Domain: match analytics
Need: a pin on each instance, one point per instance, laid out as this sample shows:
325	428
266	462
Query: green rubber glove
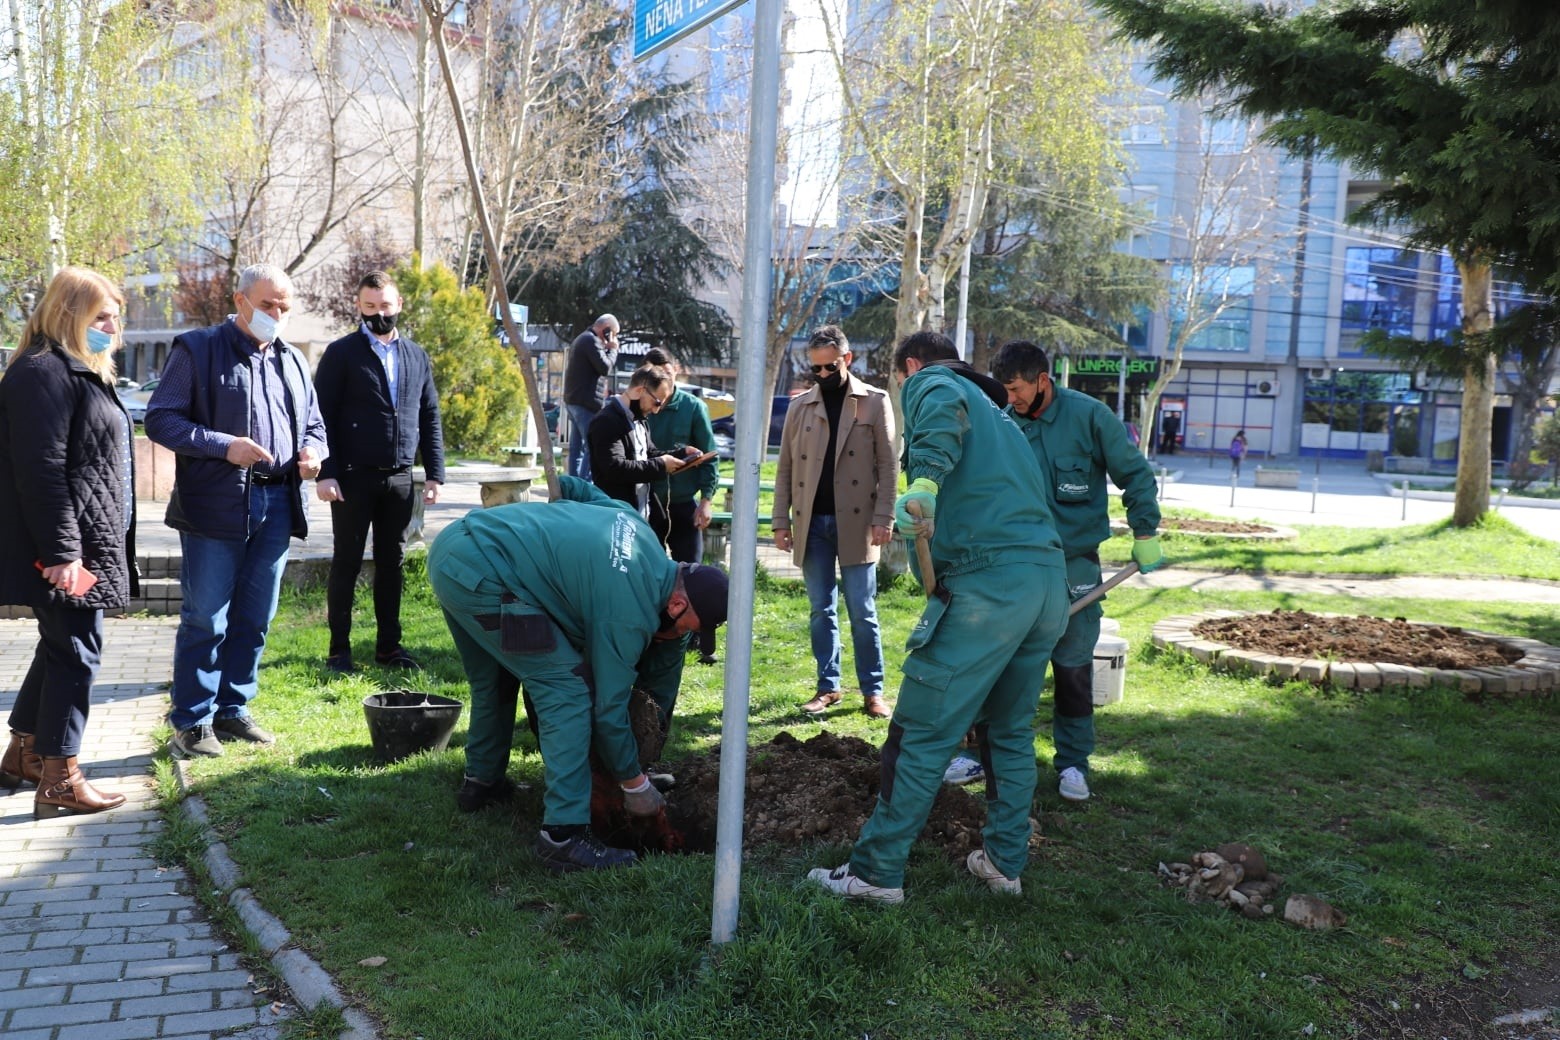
1146	553
922	491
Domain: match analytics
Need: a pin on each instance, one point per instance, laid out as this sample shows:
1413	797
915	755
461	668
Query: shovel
1104	587
923	553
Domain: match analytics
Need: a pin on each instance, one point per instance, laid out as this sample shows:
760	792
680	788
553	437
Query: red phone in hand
85	579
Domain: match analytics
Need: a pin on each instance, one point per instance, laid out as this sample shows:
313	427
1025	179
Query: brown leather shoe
63	791
21	764
825	700
876	707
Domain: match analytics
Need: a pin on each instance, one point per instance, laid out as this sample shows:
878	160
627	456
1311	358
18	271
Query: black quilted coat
62	495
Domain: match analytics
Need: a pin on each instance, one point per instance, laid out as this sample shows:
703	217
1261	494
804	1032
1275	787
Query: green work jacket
682	420
992	509
1077	441
593	564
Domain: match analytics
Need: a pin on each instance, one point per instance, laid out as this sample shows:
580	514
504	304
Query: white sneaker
987	871
963	770
1074	786
842	882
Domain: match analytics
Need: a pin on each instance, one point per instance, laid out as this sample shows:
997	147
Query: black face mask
380	324
831	380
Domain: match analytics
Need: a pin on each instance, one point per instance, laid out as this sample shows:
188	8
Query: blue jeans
579	450
860	583
230	591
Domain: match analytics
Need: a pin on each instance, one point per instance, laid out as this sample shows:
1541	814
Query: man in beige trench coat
834	502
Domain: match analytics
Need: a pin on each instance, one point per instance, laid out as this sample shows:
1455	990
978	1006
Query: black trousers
57	691
684	541
383	501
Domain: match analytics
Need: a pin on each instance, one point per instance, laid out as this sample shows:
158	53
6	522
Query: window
1229	287
1223	136
1379	286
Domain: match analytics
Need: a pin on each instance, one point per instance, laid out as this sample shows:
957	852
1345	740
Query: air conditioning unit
1264	388
1318	373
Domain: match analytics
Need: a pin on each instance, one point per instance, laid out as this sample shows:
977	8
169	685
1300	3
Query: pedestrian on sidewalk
237	408
381	411
1237	451
67	527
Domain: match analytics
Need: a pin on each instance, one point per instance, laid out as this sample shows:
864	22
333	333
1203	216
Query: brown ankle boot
21	764
63	791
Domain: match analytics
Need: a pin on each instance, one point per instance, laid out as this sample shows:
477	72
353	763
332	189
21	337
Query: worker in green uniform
576	600
999	607
1078	441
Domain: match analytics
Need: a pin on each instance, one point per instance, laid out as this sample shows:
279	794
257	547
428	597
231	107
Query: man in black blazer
623	460
381	410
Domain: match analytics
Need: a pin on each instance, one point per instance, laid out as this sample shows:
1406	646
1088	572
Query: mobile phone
702	459
85	579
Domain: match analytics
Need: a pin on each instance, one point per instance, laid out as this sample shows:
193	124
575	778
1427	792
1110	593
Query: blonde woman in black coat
67	522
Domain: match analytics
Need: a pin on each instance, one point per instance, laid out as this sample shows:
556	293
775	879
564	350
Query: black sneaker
340	663
397	658
195	742
585	852
474	794
241	727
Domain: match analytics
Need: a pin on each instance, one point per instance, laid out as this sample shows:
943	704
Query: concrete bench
501	485
717	536
1405	464
1267	476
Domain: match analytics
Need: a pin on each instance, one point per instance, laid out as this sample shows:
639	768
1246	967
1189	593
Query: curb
309	983
1535	674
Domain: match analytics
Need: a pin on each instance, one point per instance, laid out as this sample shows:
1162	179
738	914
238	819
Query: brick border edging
1535	674
309	983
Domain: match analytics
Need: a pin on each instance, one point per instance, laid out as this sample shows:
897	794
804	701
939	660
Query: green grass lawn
1432	821
1493	548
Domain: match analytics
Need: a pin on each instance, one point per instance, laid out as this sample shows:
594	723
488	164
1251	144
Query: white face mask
264	327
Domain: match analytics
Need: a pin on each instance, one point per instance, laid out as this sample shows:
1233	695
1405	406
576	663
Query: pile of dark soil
820	790
1299	633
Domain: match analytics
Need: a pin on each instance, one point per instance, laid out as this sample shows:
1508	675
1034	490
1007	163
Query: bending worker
999	607
1078	441
577	600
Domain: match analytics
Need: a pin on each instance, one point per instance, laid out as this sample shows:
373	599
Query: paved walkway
100	942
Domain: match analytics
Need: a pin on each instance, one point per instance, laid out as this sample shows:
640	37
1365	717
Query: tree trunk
910	313
1478	399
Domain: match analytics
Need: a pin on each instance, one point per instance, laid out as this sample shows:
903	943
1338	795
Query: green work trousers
496	631
976	660
1072	668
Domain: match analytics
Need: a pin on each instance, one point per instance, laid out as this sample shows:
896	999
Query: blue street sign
658	23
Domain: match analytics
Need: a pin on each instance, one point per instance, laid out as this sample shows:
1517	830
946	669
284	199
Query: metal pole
1316	482
1404	515
1234	477
752	439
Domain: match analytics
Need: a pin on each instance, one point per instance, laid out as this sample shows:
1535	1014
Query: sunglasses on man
832	366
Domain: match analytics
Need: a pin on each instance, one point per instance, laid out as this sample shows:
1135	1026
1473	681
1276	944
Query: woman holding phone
67	527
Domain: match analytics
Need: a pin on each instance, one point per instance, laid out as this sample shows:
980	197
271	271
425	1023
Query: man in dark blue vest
237	408
376	392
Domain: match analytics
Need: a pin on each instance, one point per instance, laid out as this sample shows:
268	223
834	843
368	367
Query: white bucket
1110	669
1109	627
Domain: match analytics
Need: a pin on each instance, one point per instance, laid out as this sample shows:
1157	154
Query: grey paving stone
235	980
30	1034
130	918
127	989
10	979
133	1029
44	958
167	1004
100	971
80	937
61	1015
32	996
156	968
179	932
210	1021
128	951
29	925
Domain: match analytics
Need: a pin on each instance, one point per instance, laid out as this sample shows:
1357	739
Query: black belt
354	468
267	479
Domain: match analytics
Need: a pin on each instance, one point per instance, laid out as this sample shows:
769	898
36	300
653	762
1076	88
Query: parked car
135	400
727	425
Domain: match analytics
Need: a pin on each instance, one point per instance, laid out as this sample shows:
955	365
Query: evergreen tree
1452	104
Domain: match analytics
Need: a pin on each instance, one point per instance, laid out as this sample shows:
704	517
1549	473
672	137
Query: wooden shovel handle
923	553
